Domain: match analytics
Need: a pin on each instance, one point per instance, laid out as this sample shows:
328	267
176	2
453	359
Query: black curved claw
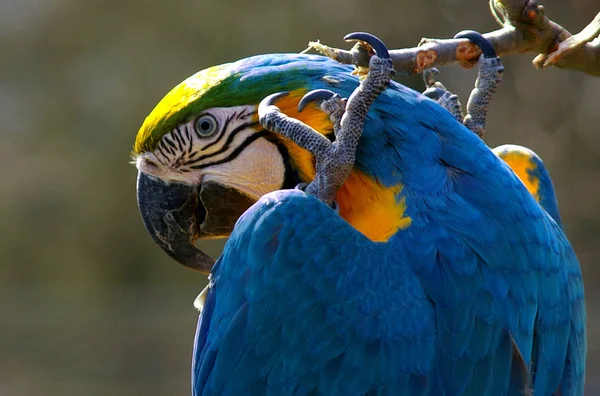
270	101
377	45
313	96
484	44
429	76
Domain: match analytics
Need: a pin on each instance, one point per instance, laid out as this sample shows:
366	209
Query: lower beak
176	214
170	212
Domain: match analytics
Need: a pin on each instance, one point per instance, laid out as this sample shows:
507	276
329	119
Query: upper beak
176	214
169	214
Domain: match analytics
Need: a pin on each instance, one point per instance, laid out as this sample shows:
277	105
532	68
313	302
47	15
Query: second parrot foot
333	160
488	79
438	92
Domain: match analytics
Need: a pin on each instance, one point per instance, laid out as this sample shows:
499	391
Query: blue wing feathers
232	347
470	331
335	337
482	284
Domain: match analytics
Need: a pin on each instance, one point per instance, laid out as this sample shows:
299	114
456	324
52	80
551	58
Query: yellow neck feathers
371	208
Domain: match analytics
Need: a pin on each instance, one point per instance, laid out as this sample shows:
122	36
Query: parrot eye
206	125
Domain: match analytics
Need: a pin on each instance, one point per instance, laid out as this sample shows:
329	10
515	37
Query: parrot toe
438	92
331	103
429	76
316	95
434	93
435	89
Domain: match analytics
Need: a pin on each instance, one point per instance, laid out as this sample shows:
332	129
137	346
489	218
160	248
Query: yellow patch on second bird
522	164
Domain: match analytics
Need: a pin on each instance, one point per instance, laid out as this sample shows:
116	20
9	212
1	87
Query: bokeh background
88	304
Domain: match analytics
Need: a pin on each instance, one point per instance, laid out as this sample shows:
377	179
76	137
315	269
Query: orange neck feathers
371	208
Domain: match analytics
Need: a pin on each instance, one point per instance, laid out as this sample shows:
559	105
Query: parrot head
203	158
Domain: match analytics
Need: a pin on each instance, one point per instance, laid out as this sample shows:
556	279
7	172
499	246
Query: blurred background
88	304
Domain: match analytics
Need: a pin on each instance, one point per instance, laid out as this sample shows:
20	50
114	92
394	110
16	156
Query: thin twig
574	42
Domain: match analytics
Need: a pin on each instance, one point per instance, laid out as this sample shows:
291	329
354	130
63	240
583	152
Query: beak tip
168	212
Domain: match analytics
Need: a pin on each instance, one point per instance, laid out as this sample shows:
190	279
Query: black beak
170	212
176	214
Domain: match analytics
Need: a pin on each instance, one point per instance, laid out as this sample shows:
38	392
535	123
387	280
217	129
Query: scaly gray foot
334	161
488	78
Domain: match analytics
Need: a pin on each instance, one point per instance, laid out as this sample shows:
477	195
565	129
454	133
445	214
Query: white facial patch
149	164
234	154
256	171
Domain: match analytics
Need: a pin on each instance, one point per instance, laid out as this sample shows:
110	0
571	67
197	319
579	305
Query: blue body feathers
481	288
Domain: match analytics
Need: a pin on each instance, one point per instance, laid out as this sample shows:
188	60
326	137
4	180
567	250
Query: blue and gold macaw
430	270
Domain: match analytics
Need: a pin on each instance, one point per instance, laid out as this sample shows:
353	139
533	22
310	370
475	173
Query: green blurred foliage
88	304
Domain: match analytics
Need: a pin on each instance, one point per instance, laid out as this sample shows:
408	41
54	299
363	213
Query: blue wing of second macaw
300	303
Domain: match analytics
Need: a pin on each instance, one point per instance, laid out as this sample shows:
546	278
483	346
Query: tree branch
525	29
575	42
